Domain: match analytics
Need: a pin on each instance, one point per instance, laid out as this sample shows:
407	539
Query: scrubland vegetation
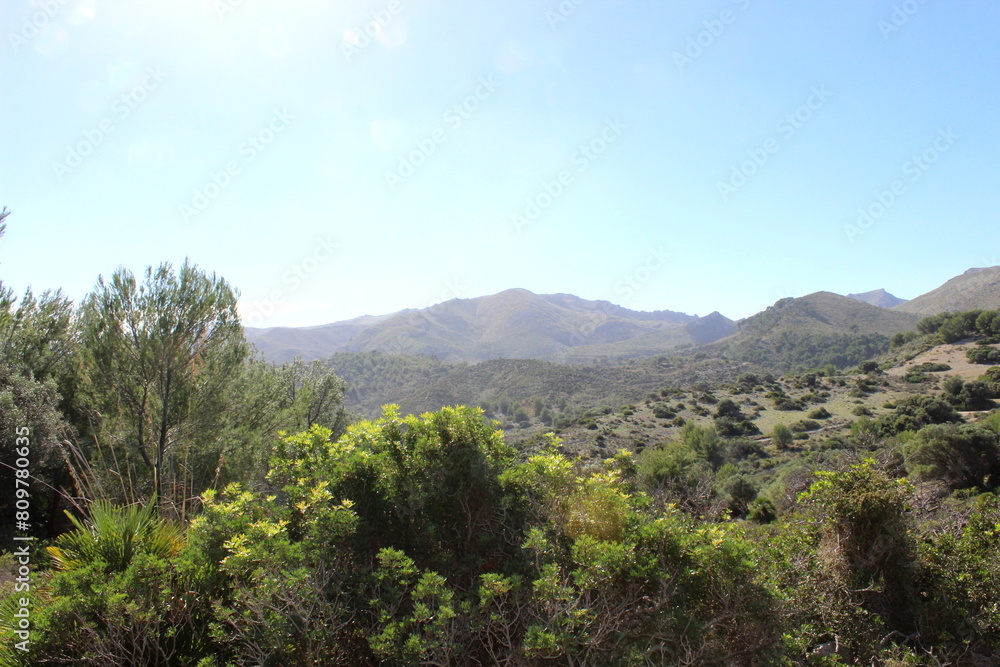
195	505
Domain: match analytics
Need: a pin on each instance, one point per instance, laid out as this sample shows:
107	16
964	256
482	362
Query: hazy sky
332	159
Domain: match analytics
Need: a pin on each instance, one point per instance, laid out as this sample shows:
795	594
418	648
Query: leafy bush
931	367
782	436
870	367
973	395
914	413
762	510
819	413
961	575
984	355
804	425
787	404
960	456
874	553
661	411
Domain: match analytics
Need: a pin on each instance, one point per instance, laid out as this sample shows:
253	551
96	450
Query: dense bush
804	425
960	456
914	413
984	355
782	436
819	413
931	367
951	327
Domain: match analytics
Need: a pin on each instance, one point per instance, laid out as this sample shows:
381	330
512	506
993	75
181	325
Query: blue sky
335	159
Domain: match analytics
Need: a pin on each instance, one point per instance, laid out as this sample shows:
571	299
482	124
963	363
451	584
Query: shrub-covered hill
812	331
976	288
515	323
422	384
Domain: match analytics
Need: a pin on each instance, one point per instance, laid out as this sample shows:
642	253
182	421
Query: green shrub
762	510
782	436
113	536
872	549
787	404
916	377
819	413
914	413
931	367
804	425
960	456
984	355
662	411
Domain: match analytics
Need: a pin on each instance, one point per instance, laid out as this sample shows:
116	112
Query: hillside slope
815	330
976	288
515	323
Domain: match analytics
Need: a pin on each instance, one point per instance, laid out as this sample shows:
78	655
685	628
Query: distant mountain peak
878	297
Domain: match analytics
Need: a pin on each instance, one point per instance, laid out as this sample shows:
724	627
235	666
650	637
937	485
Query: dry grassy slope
618	431
976	288
952	355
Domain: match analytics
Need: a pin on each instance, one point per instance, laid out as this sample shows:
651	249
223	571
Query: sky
332	159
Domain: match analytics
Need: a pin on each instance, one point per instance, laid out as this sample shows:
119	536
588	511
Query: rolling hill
815	330
515	323
976	288
826	313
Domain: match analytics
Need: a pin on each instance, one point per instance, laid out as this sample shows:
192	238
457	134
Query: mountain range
515	323
518	324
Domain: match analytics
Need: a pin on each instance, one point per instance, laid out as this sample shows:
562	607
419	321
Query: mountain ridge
517	323
975	288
